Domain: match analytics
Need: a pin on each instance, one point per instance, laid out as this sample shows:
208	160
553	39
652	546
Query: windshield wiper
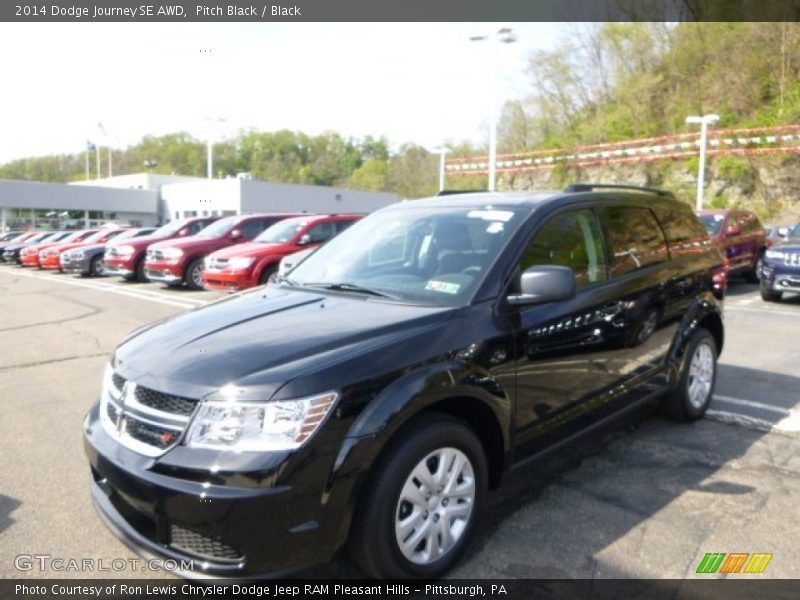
351	287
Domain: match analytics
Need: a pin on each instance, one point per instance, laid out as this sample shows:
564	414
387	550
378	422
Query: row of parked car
769	256
227	254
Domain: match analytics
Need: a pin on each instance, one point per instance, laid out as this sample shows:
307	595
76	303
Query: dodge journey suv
373	396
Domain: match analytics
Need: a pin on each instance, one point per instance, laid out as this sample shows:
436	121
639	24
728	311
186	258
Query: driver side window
570	239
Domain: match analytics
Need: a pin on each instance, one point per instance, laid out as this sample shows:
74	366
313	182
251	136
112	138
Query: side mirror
183	232
546	283
783	231
235	234
733	230
304	240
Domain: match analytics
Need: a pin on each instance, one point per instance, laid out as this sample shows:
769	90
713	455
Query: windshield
281	232
218	228
168	229
712	223
98	235
40	237
128	233
429	255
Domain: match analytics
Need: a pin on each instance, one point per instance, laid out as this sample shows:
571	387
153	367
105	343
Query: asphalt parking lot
646	499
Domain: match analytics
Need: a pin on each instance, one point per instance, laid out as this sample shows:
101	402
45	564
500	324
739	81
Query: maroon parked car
181	261
741	238
126	258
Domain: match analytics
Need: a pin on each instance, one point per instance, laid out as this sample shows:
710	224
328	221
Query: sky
425	83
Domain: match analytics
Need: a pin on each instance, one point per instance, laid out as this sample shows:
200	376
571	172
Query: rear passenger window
342	225
197	226
685	232
571	239
634	238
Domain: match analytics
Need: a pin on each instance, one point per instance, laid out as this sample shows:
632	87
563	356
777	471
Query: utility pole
442	152
704	121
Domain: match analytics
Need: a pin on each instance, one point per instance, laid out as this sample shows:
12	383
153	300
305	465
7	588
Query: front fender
704	307
395	406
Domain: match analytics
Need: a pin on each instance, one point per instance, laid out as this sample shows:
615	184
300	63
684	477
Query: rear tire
692	395
405	528
194	274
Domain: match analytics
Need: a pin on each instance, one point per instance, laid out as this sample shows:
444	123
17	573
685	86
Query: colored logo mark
734	562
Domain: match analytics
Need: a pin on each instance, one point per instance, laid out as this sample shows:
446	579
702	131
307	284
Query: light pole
442	152
704	122
503	35
210	147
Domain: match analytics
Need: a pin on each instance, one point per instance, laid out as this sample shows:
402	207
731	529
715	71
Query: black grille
165	402
118	381
194	543
150	434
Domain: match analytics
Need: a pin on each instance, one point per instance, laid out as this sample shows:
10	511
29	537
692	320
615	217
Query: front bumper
119	266
80	265
52	261
780	278
30	260
165	272
227	528
227	281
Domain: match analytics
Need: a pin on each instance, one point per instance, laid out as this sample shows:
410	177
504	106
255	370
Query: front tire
769	295
692	395
269	274
753	275
194	274
97	267
422	501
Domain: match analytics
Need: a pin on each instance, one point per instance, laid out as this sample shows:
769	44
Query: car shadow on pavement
7	506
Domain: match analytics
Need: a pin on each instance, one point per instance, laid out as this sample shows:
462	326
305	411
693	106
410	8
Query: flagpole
97	158
86	155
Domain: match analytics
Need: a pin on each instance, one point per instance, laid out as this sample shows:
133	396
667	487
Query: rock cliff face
767	185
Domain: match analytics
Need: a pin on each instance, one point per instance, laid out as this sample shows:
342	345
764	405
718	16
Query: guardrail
721	142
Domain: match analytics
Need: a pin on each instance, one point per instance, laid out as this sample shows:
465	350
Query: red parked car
249	265
741	238
51	258
181	261
126	258
30	255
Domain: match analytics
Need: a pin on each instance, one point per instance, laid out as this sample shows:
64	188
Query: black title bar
401	10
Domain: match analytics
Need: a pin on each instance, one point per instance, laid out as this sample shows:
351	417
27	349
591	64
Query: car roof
536	199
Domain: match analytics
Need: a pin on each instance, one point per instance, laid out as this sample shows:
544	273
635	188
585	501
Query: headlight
240	262
173	252
126	250
775	254
259	427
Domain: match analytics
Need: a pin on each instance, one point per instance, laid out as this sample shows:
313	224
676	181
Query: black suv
374	395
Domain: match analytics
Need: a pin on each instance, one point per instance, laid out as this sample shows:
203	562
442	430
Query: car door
581	360
733	241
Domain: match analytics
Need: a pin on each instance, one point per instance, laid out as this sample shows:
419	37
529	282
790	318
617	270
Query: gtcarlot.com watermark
50	563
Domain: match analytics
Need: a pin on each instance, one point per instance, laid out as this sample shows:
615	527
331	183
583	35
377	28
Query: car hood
261	340
138	242
253	249
189	242
91	247
787	246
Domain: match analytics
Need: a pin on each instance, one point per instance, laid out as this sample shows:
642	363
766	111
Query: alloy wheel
701	375
435	505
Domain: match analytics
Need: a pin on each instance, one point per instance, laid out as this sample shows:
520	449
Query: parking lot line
762	310
753	404
141	295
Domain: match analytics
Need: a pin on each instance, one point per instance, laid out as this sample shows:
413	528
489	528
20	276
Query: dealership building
143	199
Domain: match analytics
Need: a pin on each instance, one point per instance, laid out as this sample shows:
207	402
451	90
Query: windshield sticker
495	227
444	287
491	215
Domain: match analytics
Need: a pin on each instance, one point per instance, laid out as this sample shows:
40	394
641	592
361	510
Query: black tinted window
197	226
685	232
634	238
251	229
322	232
342	225
571	239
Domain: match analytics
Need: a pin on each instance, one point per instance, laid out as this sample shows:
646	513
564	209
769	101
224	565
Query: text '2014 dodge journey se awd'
374	395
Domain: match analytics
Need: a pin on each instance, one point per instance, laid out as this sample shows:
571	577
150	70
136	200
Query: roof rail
451	192
588	187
